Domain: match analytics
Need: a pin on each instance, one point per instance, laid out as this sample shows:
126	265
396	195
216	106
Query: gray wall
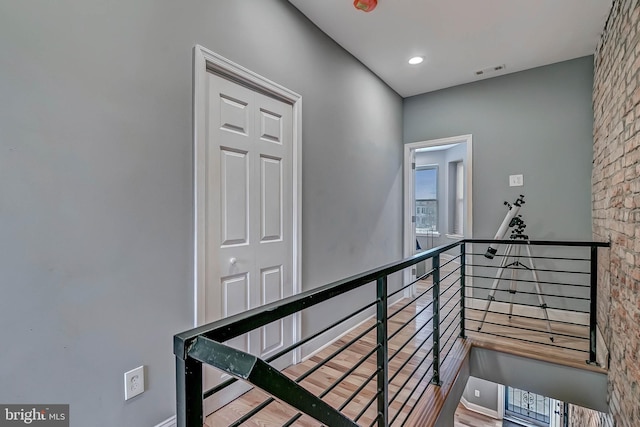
488	393
538	123
96	184
567	384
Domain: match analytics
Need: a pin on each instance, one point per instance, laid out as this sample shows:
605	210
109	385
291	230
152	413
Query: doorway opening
438	194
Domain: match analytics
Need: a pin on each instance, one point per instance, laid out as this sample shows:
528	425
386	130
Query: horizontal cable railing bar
406	381
227	383
417	349
449	351
557	243
443	278
345	403
533	293
290	348
529	341
544	331
443	333
411	395
337	352
541	282
202	344
391	316
339	380
564	322
453	295
413	282
530	269
455	336
262	375
450	261
252	412
407	323
527	304
293	419
236	325
359	389
348	372
530	257
375	420
367	406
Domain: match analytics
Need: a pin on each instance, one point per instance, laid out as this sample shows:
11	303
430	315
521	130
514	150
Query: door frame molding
205	60
409	157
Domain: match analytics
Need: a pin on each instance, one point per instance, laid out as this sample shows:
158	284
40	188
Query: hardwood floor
413	400
410	369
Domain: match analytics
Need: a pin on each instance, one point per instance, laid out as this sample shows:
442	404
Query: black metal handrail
205	344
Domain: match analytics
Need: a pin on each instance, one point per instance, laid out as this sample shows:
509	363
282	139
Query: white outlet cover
133	382
477	393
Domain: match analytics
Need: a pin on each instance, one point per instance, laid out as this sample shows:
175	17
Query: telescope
507	223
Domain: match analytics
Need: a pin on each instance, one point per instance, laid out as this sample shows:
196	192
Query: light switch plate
516	180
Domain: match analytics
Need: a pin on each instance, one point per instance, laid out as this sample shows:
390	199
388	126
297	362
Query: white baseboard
479	409
169	422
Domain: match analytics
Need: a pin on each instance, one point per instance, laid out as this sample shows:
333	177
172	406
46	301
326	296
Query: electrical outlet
516	180
477	393
133	382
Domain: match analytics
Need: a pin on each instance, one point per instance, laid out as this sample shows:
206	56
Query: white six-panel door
249	205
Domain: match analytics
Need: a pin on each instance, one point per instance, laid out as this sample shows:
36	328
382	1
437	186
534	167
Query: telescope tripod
514	266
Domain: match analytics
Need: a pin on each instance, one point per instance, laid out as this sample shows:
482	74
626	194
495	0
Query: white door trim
208	61
409	156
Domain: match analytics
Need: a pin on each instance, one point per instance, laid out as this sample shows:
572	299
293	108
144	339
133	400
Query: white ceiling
458	37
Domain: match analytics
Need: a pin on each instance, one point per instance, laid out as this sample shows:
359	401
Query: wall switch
516	180
477	393
133	382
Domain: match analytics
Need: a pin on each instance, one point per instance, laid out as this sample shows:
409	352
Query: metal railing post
189	406
462	290
436	320
593	306
382	353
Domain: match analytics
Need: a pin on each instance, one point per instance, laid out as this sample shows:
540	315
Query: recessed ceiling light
416	60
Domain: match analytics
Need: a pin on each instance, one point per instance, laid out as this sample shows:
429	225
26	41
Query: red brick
616	210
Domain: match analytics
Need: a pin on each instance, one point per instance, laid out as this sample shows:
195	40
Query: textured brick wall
616	207
582	417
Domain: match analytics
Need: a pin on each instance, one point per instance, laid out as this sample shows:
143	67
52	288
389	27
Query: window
426	193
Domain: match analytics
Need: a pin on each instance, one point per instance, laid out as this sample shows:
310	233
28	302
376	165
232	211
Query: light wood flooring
410	370
414	401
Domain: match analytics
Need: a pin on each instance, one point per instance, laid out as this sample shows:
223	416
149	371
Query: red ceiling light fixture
365	5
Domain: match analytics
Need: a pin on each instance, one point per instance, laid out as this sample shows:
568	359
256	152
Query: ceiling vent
490	70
